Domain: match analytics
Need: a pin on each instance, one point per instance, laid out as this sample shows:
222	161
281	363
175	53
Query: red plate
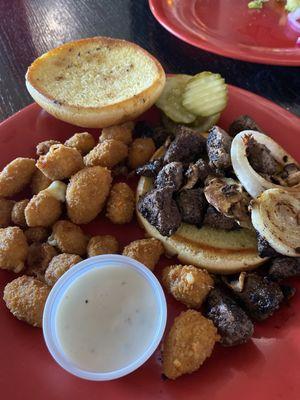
265	368
229	28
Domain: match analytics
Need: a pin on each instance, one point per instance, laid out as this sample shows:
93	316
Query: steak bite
151	169
242	123
171	175
288	292
263	247
218	148
216	220
260	297
232	322
187	147
284	267
192	206
229	198
158	134
160	210
289	176
260	157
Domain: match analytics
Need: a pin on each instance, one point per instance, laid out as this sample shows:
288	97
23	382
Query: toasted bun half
96	82
217	250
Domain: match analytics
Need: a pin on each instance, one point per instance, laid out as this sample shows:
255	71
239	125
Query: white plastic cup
57	294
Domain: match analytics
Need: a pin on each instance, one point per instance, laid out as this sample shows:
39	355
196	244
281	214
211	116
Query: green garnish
256	3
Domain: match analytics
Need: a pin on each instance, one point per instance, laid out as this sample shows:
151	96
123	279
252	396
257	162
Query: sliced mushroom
229	198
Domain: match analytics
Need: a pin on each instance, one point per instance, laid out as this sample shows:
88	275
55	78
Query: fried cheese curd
146	251
39	182
13	249
188	284
59	265
122	132
84	142
16	176
107	154
188	344
86	193
43	210
25	297
38	259
68	238
102	244
43	147
60	162
18	213
36	234
120	204
140	152
6	207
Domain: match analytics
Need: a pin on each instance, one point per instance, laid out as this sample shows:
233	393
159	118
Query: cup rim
66	281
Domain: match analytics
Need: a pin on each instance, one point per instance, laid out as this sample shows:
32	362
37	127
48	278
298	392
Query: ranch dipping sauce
107	318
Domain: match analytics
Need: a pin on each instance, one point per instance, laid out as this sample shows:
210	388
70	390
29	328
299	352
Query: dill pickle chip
203	124
170	101
205	94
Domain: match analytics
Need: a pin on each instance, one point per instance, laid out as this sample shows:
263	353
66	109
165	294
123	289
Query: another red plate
266	368
229	28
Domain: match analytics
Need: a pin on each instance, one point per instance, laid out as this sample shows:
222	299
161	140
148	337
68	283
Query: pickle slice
170	101
205	94
203	124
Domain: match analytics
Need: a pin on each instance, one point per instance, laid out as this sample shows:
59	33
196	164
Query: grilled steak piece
218	148
170	175
187	147
233	324
284	267
288	291
214	219
243	123
151	169
158	134
160	210
263	247
260	158
260	297
192	206
291	174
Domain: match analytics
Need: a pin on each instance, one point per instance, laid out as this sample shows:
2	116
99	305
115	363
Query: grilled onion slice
275	214
252	181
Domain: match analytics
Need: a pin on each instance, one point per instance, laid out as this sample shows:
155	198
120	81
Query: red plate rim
238	54
270	105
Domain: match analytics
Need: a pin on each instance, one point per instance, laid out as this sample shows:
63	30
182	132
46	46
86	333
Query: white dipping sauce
107	318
